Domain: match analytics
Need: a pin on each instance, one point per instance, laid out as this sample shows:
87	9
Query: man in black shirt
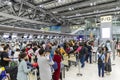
4	57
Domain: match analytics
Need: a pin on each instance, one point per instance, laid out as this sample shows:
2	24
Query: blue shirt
102	56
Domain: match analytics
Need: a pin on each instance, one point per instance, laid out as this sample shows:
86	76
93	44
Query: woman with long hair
108	68
22	68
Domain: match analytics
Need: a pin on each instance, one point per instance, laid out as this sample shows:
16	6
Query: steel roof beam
92	14
65	5
40	9
22	19
44	2
5	20
80	4
97	7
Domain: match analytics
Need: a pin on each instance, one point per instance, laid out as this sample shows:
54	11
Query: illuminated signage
106	19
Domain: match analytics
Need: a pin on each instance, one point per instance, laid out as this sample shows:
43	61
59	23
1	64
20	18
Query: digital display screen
106	33
6	35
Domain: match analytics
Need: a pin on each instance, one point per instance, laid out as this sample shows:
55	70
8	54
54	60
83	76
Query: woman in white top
16	54
44	65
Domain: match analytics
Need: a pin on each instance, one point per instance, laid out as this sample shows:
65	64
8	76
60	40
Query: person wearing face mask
29	51
22	68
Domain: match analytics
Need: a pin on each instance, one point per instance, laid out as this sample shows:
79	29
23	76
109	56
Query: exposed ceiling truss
44	13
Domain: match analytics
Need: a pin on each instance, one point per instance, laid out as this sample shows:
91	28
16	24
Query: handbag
55	66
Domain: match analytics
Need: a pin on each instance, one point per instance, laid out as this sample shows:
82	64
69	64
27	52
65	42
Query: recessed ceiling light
8	3
91	4
78	14
41	6
60	1
29	10
71	8
54	11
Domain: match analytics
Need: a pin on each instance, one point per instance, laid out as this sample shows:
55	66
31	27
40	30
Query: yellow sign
104	19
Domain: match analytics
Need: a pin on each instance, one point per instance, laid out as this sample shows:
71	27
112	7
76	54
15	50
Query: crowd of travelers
20	58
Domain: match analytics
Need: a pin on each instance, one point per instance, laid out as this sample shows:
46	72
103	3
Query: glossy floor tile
90	72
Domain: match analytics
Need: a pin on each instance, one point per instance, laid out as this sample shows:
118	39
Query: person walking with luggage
101	62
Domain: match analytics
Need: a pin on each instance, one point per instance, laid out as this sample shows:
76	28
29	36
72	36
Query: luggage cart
33	75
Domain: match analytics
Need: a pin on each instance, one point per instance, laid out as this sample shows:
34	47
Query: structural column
106	28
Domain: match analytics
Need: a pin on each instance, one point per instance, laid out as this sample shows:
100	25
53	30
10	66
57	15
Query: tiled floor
90	72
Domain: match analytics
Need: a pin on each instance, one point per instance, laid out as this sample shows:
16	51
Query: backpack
100	61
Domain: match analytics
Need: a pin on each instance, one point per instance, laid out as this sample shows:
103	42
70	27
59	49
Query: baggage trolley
32	75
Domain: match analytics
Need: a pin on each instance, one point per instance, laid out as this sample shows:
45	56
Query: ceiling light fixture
91	4
78	14
41	6
8	3
71	8
60	1
54	12
29	10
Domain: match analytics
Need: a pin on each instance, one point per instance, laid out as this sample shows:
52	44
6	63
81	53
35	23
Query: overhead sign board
104	19
106	28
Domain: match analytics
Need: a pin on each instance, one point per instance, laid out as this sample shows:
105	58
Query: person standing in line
22	68
44	65
5	57
89	47
108	68
101	62
57	58
29	51
108	45
82	54
1	48
118	49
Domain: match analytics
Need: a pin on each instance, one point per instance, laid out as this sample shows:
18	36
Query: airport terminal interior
59	39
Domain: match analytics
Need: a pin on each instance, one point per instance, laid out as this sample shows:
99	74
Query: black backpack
100	61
